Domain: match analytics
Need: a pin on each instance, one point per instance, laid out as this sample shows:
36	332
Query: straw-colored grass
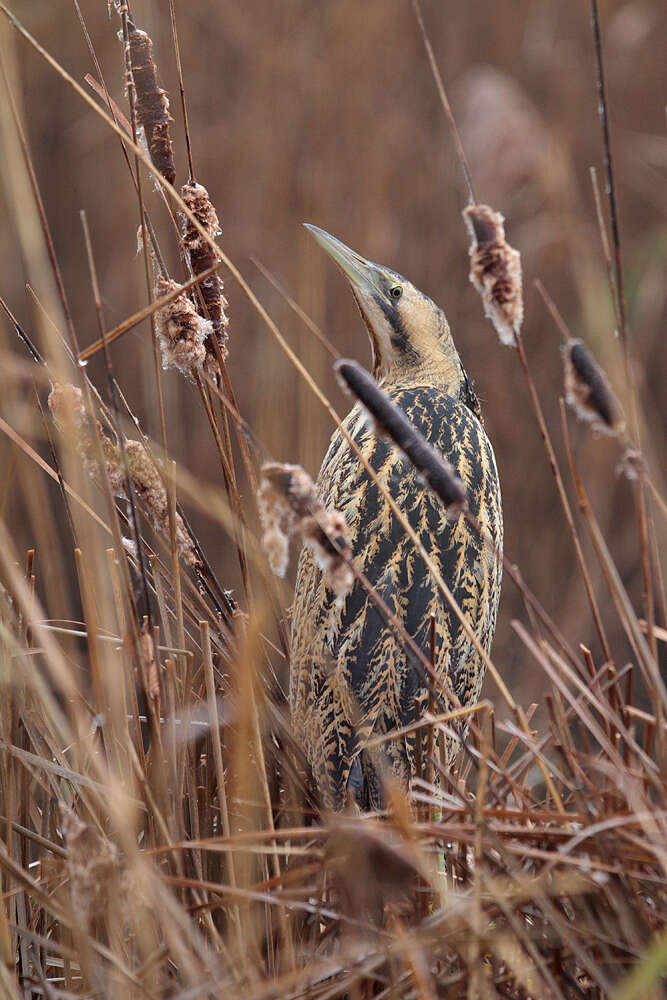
160	835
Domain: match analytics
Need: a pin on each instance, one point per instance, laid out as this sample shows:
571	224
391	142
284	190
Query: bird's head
409	333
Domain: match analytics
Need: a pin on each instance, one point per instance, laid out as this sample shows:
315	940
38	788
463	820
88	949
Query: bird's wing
350	674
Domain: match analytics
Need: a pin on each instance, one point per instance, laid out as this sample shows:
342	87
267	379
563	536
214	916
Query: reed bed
160	835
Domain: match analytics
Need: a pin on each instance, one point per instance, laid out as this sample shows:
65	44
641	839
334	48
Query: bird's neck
439	372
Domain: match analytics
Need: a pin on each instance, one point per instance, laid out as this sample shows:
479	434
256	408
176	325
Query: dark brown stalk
565	504
444	100
640	497
184	108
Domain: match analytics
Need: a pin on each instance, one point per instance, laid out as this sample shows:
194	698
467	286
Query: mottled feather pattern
350	677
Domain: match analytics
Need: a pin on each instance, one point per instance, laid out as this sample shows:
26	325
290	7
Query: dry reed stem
567	913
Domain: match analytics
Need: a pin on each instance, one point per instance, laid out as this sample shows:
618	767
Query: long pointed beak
361	273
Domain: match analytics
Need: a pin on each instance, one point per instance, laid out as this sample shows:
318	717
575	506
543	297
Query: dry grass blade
160	833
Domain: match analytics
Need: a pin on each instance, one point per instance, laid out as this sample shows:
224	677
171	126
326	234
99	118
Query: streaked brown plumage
350	678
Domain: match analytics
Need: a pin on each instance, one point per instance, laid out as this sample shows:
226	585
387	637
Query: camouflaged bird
350	677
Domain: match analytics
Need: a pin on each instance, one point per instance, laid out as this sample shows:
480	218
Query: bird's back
350	677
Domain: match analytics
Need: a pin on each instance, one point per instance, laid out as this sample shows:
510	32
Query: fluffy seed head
495	271
182	332
202	257
93	866
288	503
69	414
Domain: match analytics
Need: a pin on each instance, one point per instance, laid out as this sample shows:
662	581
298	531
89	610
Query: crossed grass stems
553	846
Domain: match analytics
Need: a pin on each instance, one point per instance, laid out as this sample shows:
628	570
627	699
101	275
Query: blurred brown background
327	112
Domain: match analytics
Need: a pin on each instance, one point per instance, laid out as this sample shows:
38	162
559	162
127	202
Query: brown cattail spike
69	413
70	416
495	271
152	103
202	257
588	391
389	419
93	866
288	504
181	331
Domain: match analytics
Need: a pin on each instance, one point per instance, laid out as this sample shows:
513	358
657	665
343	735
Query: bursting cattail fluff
495	271
202	257
288	503
182	332
69	413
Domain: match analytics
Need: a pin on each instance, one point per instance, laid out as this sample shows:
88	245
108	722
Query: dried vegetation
159	833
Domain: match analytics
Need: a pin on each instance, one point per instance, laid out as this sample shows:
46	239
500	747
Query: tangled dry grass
159	833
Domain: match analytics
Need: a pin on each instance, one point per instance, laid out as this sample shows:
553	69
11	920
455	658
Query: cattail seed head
152	102
390	420
587	389
181	331
495	271
147	482
93	866
202	257
67	407
288	504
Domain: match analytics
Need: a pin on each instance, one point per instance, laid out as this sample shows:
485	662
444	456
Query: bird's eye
395	291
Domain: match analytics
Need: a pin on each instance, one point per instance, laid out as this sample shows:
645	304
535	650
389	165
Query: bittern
352	679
